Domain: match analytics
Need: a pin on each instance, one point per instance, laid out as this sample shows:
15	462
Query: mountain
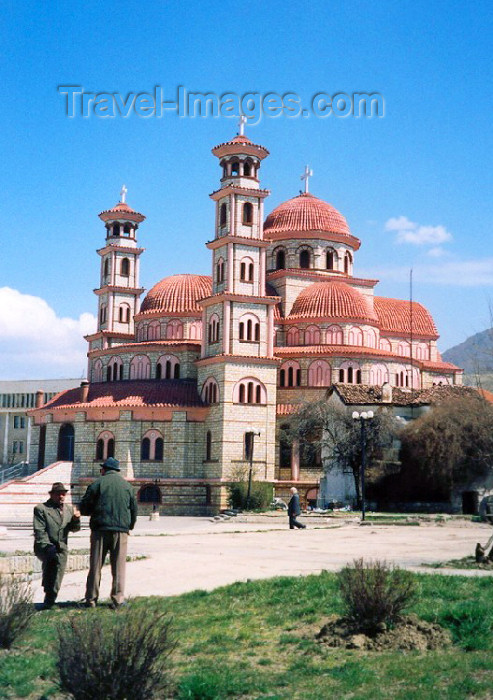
475	356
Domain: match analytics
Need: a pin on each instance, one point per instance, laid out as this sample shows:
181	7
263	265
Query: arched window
168	367
223	215
213	329
127	230
334	335
249	328
248	213
106	267
246	270
116	230
125	267
319	373
105	445
195	330
140	367
370	338
115	370
66	437
208	446
347	262
151	447
385	344
293	337
312	335
404	348
124	313
154	331
102	314
174	330
330	259
355	336
97	371
247	168
220	271
149	493
281	260
349	375
210	391
250	391
99	449
379	374
235	168
290	374
305	259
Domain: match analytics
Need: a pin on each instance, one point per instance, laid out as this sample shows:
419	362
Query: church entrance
65	451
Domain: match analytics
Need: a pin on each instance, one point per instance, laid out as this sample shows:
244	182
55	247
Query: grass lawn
255	640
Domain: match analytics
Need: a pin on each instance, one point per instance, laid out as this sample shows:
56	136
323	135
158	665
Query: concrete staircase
18	497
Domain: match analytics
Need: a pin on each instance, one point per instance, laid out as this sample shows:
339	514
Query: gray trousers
102	542
53	569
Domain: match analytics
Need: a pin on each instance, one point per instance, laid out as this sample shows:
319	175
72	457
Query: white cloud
411	232
36	343
453	273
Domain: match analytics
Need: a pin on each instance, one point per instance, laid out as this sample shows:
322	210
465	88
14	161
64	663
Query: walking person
111	503
294	510
52	522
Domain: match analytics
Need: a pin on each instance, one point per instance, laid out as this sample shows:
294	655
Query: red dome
305	213
178	294
396	315
121	210
332	300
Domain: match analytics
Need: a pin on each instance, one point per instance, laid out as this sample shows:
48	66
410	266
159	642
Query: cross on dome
123	194
306	175
241	124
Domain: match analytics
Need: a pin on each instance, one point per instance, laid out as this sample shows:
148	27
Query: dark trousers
102	542
295	523
53	569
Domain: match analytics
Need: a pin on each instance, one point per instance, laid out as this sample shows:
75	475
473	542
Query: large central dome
305	213
332	300
177	294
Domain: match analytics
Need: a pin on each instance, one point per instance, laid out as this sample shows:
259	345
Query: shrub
375	593
260	495
16	609
116	658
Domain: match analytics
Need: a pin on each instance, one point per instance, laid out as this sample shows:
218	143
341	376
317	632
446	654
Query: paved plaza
184	554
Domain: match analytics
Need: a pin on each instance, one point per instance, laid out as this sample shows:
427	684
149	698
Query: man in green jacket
53	520
111	503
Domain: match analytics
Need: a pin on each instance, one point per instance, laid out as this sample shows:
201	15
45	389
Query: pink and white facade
176	383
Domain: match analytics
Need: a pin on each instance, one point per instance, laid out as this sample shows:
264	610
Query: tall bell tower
119	291
237	356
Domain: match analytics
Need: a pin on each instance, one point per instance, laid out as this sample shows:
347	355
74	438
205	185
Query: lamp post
363	417
250	439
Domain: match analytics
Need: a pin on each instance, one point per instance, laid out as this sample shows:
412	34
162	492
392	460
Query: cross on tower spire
306	175
123	194
241	124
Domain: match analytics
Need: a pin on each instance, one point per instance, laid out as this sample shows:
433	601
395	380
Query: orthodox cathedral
193	386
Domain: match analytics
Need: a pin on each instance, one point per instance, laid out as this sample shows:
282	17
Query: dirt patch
409	633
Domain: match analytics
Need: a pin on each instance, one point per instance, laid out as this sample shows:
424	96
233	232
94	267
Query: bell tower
119	291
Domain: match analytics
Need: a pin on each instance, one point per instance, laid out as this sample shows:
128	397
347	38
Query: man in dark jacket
294	510
53	520
111	503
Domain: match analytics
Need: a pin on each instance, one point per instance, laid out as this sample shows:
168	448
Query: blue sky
415	185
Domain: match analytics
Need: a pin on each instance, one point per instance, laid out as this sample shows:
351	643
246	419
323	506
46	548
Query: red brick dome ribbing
332	300
305	213
177	294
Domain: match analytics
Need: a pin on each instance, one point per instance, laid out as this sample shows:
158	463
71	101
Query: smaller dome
121	210
305	213
177	294
332	300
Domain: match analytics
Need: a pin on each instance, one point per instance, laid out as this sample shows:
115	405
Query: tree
449	446
327	429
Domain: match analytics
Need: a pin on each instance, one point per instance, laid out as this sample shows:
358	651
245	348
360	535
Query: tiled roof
121	210
361	394
177	294
340	350
394	315
131	394
286	409
305	213
487	395
332	300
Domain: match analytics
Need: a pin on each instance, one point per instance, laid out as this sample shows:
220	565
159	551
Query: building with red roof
178	383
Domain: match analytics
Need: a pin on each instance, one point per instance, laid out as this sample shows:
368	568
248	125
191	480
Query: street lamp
363	417
249	442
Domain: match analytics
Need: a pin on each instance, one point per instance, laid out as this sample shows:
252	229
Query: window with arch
334	335
247	168
105	445
168	367
370	338
404	349
305	259
223	215
149	493
319	373
235	168
355	336
250	391
379	374
114	370
385	344
124	313
348	260
125	267
246	270
102	313
97	371
402	379
195	330
220	271
290	374
115	230
285	446
331	259
312	335
154	330
249	328
127	231
294	336
174	330
106	268
247	213
350	373
208	446
280	259
140	367
151	447
213	335
422	351
210	391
